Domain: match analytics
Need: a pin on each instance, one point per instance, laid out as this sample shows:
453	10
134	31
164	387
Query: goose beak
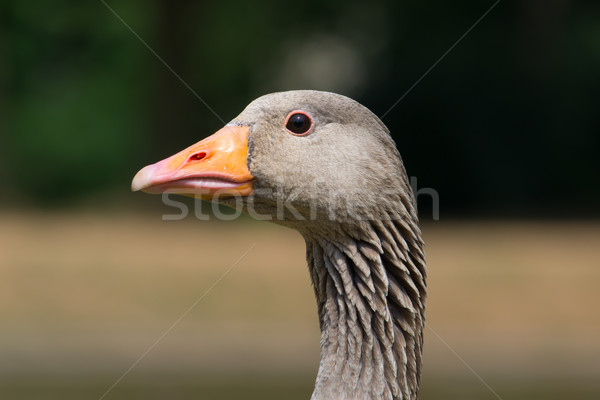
212	168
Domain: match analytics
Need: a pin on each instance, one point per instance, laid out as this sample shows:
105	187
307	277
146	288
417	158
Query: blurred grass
269	387
83	295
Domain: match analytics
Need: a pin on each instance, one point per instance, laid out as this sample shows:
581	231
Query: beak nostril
198	156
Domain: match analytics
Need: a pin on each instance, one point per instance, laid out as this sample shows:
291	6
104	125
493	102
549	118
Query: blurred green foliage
508	121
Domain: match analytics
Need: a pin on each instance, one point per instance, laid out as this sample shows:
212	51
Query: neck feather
369	281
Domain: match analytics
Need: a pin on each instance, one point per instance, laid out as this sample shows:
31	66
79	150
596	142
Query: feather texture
371	296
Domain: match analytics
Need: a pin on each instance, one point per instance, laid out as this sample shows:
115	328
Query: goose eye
298	123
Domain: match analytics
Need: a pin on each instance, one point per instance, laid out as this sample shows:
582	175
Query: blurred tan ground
85	294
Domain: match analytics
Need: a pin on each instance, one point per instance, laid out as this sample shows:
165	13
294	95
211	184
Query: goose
326	166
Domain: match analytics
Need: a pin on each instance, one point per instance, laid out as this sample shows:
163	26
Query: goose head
325	165
295	158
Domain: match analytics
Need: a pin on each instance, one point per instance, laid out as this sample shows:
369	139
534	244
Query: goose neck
370	291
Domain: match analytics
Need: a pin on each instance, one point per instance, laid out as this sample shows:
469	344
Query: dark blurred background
505	128
506	124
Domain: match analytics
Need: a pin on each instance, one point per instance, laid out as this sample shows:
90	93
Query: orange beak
213	167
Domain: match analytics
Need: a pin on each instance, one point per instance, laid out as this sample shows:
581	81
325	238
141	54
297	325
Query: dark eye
298	123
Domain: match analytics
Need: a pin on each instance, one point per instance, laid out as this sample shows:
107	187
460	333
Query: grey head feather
345	190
